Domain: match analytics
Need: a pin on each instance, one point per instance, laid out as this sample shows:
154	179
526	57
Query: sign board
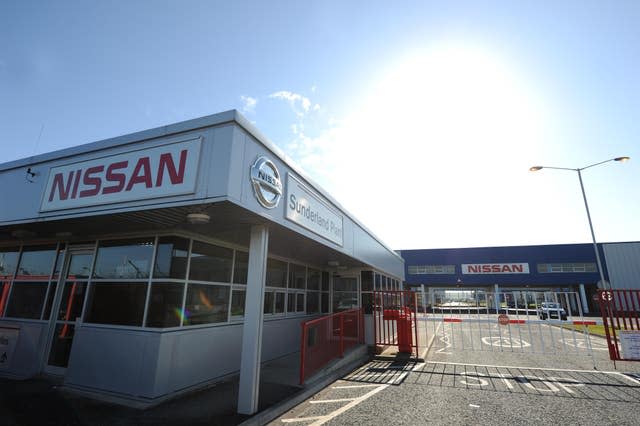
630	344
309	210
161	171
495	268
8	341
503	319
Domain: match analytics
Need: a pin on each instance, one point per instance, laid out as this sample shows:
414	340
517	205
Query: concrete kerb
352	360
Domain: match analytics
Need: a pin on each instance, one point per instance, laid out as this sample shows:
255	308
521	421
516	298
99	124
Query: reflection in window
4	295
206	304
276	273
118	303
80	266
165	305
238	298
210	263
124	259
8	262
171	258
36	263
72	299
344	301
241	267
27	299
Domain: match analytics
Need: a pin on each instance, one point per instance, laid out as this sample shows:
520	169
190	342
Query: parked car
551	310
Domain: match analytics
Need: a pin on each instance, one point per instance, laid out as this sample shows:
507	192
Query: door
345	293
72	289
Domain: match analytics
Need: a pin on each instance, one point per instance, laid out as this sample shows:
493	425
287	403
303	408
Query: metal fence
519	321
327	338
620	316
395	321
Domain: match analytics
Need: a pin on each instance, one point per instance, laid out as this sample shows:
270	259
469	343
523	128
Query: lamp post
586	206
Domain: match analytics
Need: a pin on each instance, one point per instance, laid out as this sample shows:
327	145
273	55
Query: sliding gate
395	320
527	322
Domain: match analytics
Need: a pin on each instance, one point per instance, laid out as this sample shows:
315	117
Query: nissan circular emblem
266	182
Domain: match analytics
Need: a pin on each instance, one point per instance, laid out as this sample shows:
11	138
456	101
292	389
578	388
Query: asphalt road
484	383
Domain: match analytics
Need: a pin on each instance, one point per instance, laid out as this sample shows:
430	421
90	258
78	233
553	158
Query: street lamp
584	196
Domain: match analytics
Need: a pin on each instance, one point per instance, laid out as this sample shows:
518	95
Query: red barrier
621	319
327	338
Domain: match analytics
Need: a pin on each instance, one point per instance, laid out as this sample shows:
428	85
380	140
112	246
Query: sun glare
451	120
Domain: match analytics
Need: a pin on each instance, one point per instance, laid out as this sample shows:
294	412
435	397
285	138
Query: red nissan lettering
112	176
89	180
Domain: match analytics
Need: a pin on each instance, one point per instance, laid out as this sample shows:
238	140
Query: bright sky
421	118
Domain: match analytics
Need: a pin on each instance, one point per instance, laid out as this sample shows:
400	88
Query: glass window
377	282
268	302
206	304
300	302
129	259
367	302
171	258
291	302
384	282
324	306
313	302
72	299
59	260
313	279
36	263
165	305
345	284
366	280
8	262
344	301
118	303
297	276
431	269
241	267
4	294
50	296
280	302
325	281
276	273
238	298
27	299
210	263
80	266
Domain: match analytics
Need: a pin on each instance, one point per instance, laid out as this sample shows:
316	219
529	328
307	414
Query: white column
424	300
583	299
253	319
496	296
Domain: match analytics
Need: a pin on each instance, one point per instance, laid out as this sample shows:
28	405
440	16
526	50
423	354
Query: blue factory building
539	268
